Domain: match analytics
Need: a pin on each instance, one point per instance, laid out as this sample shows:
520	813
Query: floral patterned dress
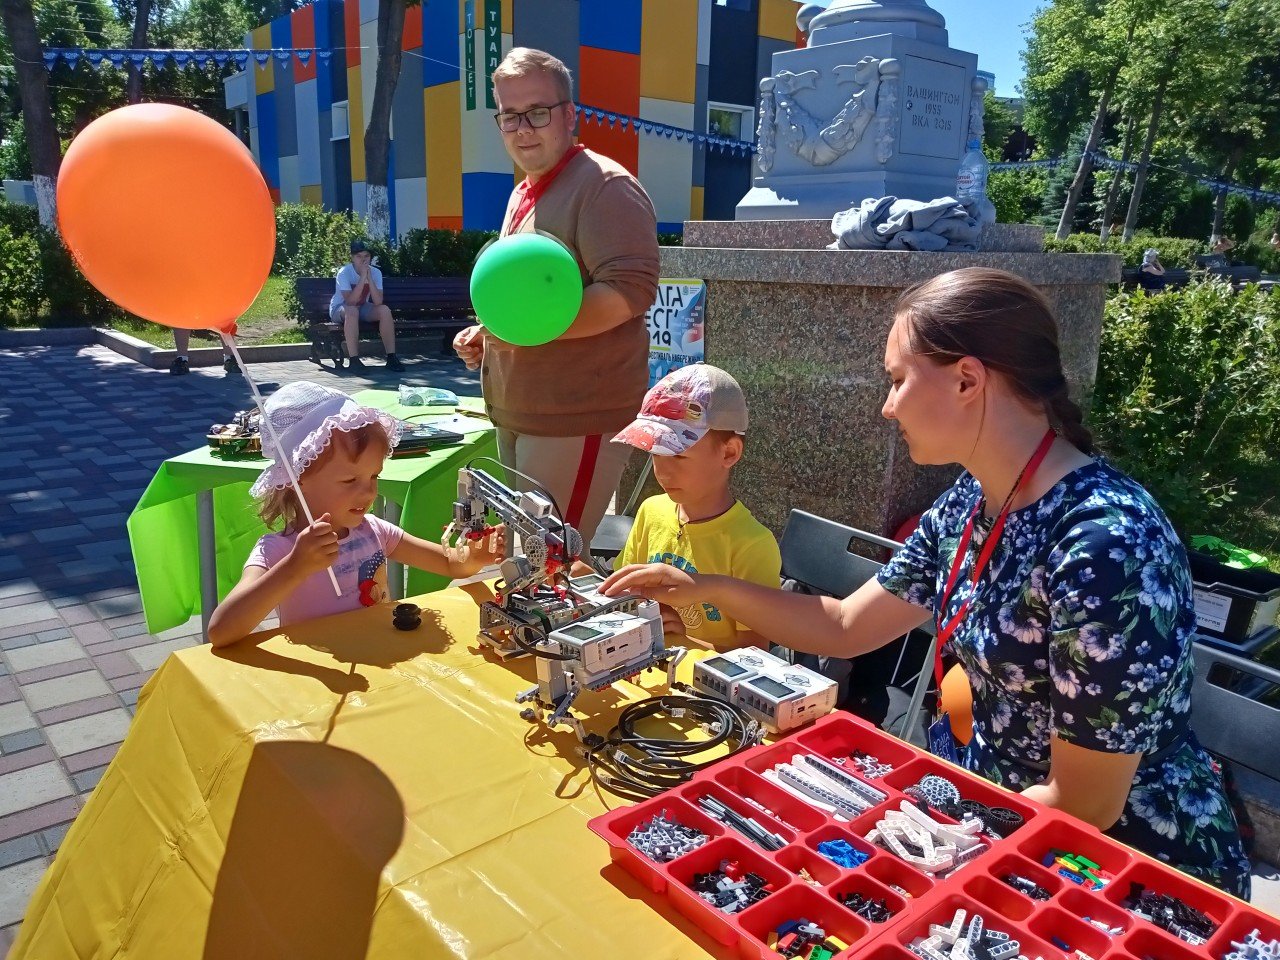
1081	628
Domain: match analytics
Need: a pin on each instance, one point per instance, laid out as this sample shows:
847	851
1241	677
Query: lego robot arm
547	542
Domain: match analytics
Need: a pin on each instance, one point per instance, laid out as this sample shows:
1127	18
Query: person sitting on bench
358	297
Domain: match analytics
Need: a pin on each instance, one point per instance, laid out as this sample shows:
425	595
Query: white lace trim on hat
275	477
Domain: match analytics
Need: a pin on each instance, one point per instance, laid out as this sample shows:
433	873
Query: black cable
639	767
531	647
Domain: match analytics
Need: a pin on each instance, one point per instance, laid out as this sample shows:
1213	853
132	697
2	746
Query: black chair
818	558
612	532
1227	715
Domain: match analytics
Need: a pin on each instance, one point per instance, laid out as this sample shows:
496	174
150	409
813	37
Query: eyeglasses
538	117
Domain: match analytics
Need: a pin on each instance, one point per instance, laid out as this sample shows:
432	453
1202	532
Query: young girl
337	449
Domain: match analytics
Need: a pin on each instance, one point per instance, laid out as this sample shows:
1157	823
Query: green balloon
526	289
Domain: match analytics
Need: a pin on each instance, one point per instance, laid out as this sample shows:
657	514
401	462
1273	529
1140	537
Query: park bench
421	306
1219	266
1173	277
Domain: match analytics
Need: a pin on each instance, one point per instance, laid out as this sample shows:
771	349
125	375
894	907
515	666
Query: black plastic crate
1232	605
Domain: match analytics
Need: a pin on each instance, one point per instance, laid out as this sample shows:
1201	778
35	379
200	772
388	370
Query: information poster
677	331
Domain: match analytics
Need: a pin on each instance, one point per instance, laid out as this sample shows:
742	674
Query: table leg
208	559
390	512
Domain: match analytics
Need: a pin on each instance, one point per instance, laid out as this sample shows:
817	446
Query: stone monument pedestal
804	328
876	104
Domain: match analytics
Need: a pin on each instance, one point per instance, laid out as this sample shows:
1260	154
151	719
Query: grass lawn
264	322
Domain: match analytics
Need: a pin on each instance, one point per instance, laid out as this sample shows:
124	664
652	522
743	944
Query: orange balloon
957	700
166	213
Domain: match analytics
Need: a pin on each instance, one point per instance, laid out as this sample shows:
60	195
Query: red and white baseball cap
682	407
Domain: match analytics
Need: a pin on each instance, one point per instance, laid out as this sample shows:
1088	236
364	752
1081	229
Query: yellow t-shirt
733	544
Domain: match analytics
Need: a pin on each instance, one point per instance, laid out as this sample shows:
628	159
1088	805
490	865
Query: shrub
67	294
1188	389
440	253
1174	251
312	241
1017	194
21	289
38	278
1257	250
19	217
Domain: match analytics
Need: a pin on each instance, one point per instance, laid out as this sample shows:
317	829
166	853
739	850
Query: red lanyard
945	630
529	191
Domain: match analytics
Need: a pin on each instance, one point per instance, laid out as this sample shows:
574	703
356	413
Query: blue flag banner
653	128
120	58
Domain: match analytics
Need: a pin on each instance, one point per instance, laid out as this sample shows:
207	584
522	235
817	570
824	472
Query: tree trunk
1095	134
377	138
1113	193
1086	161
133	89
1144	164
37	108
1220	201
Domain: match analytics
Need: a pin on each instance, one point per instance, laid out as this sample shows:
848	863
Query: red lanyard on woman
530	191
945	630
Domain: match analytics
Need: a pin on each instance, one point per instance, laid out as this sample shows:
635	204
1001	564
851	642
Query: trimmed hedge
1188	393
1174	251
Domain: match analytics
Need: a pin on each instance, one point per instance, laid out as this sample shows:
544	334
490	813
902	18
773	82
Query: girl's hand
316	547
657	581
490	550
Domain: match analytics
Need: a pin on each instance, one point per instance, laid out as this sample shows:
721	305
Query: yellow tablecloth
348	790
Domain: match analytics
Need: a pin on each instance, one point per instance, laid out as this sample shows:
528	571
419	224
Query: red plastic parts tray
919	898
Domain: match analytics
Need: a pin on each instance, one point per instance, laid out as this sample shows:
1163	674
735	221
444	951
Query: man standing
357	298
557	406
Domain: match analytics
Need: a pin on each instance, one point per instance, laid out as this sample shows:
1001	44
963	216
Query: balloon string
285	460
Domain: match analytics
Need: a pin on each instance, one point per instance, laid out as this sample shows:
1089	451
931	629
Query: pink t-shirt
361	569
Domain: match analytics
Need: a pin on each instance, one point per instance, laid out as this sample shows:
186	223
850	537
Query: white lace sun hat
304	416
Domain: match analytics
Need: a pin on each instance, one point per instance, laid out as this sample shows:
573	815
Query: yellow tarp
349	790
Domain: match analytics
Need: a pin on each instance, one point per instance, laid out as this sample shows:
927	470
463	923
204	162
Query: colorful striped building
692	64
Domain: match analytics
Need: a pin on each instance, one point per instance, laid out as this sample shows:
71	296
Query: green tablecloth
163	532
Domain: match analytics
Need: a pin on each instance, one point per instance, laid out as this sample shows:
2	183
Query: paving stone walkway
81	433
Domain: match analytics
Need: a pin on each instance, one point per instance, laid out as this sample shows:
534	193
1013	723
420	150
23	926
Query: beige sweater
572	388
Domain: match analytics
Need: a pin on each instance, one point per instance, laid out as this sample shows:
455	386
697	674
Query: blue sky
993	30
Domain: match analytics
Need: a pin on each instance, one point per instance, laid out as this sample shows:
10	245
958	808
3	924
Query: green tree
998	123
1237	112
1197	74
1118	176
1059	90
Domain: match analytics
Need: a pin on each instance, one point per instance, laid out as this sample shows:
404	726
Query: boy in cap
693	423
357	297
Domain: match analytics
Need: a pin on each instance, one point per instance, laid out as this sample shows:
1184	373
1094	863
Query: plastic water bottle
971	183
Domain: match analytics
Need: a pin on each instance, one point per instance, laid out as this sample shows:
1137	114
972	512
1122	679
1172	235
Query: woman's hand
315	548
657	581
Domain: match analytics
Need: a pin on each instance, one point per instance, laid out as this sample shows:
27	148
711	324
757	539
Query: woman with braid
1054	579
